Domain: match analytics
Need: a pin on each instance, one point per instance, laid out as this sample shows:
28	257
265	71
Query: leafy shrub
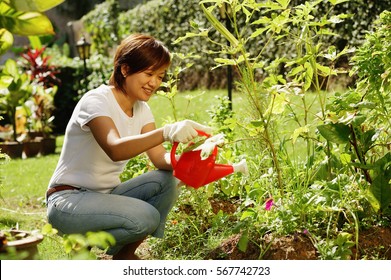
324	185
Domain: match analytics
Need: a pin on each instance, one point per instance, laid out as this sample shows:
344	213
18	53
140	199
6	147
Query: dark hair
138	52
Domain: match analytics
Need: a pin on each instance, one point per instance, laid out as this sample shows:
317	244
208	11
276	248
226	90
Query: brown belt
52	190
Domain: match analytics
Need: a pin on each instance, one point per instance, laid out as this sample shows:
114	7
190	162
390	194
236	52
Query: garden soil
374	243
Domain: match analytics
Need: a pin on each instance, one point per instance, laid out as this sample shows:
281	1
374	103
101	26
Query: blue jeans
133	210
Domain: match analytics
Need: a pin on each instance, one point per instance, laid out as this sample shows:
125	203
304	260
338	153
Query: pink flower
269	204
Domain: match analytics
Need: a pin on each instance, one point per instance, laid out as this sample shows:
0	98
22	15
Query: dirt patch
297	247
374	243
223	205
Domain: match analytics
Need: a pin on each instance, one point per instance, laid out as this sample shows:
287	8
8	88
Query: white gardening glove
167	158
209	145
183	131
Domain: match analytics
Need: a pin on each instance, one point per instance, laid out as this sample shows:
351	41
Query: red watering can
195	172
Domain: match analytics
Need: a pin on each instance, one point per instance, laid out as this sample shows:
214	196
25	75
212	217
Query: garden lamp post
83	48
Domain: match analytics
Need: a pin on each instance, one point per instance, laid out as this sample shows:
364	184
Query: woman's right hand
183	131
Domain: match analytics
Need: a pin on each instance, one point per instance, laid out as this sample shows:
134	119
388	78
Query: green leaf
284	3
257	123
24	23
34	5
218	25
6	40
345	158
336	2
303	130
35	42
309	75
203	33
11	68
296	70
263	20
258	32
5	81
336	133
247	13
277	103
372	199
49	230
280	5
335	19
247	213
225	61
324	69
279	22
243	242
381	177
100	239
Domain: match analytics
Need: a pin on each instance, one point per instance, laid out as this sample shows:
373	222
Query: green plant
3	160
221	116
39	67
335	249
171	19
102	24
25	19
192	228
270	97
39	110
169	88
135	167
359	120
43	75
78	246
15	89
273	88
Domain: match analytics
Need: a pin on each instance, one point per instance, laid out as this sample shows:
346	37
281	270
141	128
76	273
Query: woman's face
142	85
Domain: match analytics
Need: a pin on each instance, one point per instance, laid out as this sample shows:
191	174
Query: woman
110	125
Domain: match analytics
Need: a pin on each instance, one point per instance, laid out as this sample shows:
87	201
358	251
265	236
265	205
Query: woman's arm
158	153
117	148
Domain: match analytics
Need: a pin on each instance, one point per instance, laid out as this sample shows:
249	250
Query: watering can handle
175	146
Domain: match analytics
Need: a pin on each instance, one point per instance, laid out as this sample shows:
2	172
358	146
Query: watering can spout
241	167
222	170
219	171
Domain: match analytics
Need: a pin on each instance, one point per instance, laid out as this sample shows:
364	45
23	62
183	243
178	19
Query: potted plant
3	159
40	111
19	244
15	89
39	118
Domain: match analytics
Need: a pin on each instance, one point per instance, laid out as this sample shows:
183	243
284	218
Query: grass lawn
23	198
192	105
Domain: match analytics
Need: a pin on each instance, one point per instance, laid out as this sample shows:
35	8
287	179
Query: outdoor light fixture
83	48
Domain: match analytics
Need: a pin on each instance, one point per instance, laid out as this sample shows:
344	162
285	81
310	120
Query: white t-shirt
83	163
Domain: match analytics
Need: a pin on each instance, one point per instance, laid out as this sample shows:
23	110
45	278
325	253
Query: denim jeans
133	210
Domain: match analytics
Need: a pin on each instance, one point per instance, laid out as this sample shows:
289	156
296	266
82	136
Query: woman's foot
128	251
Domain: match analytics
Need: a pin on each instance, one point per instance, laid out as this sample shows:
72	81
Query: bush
169	20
